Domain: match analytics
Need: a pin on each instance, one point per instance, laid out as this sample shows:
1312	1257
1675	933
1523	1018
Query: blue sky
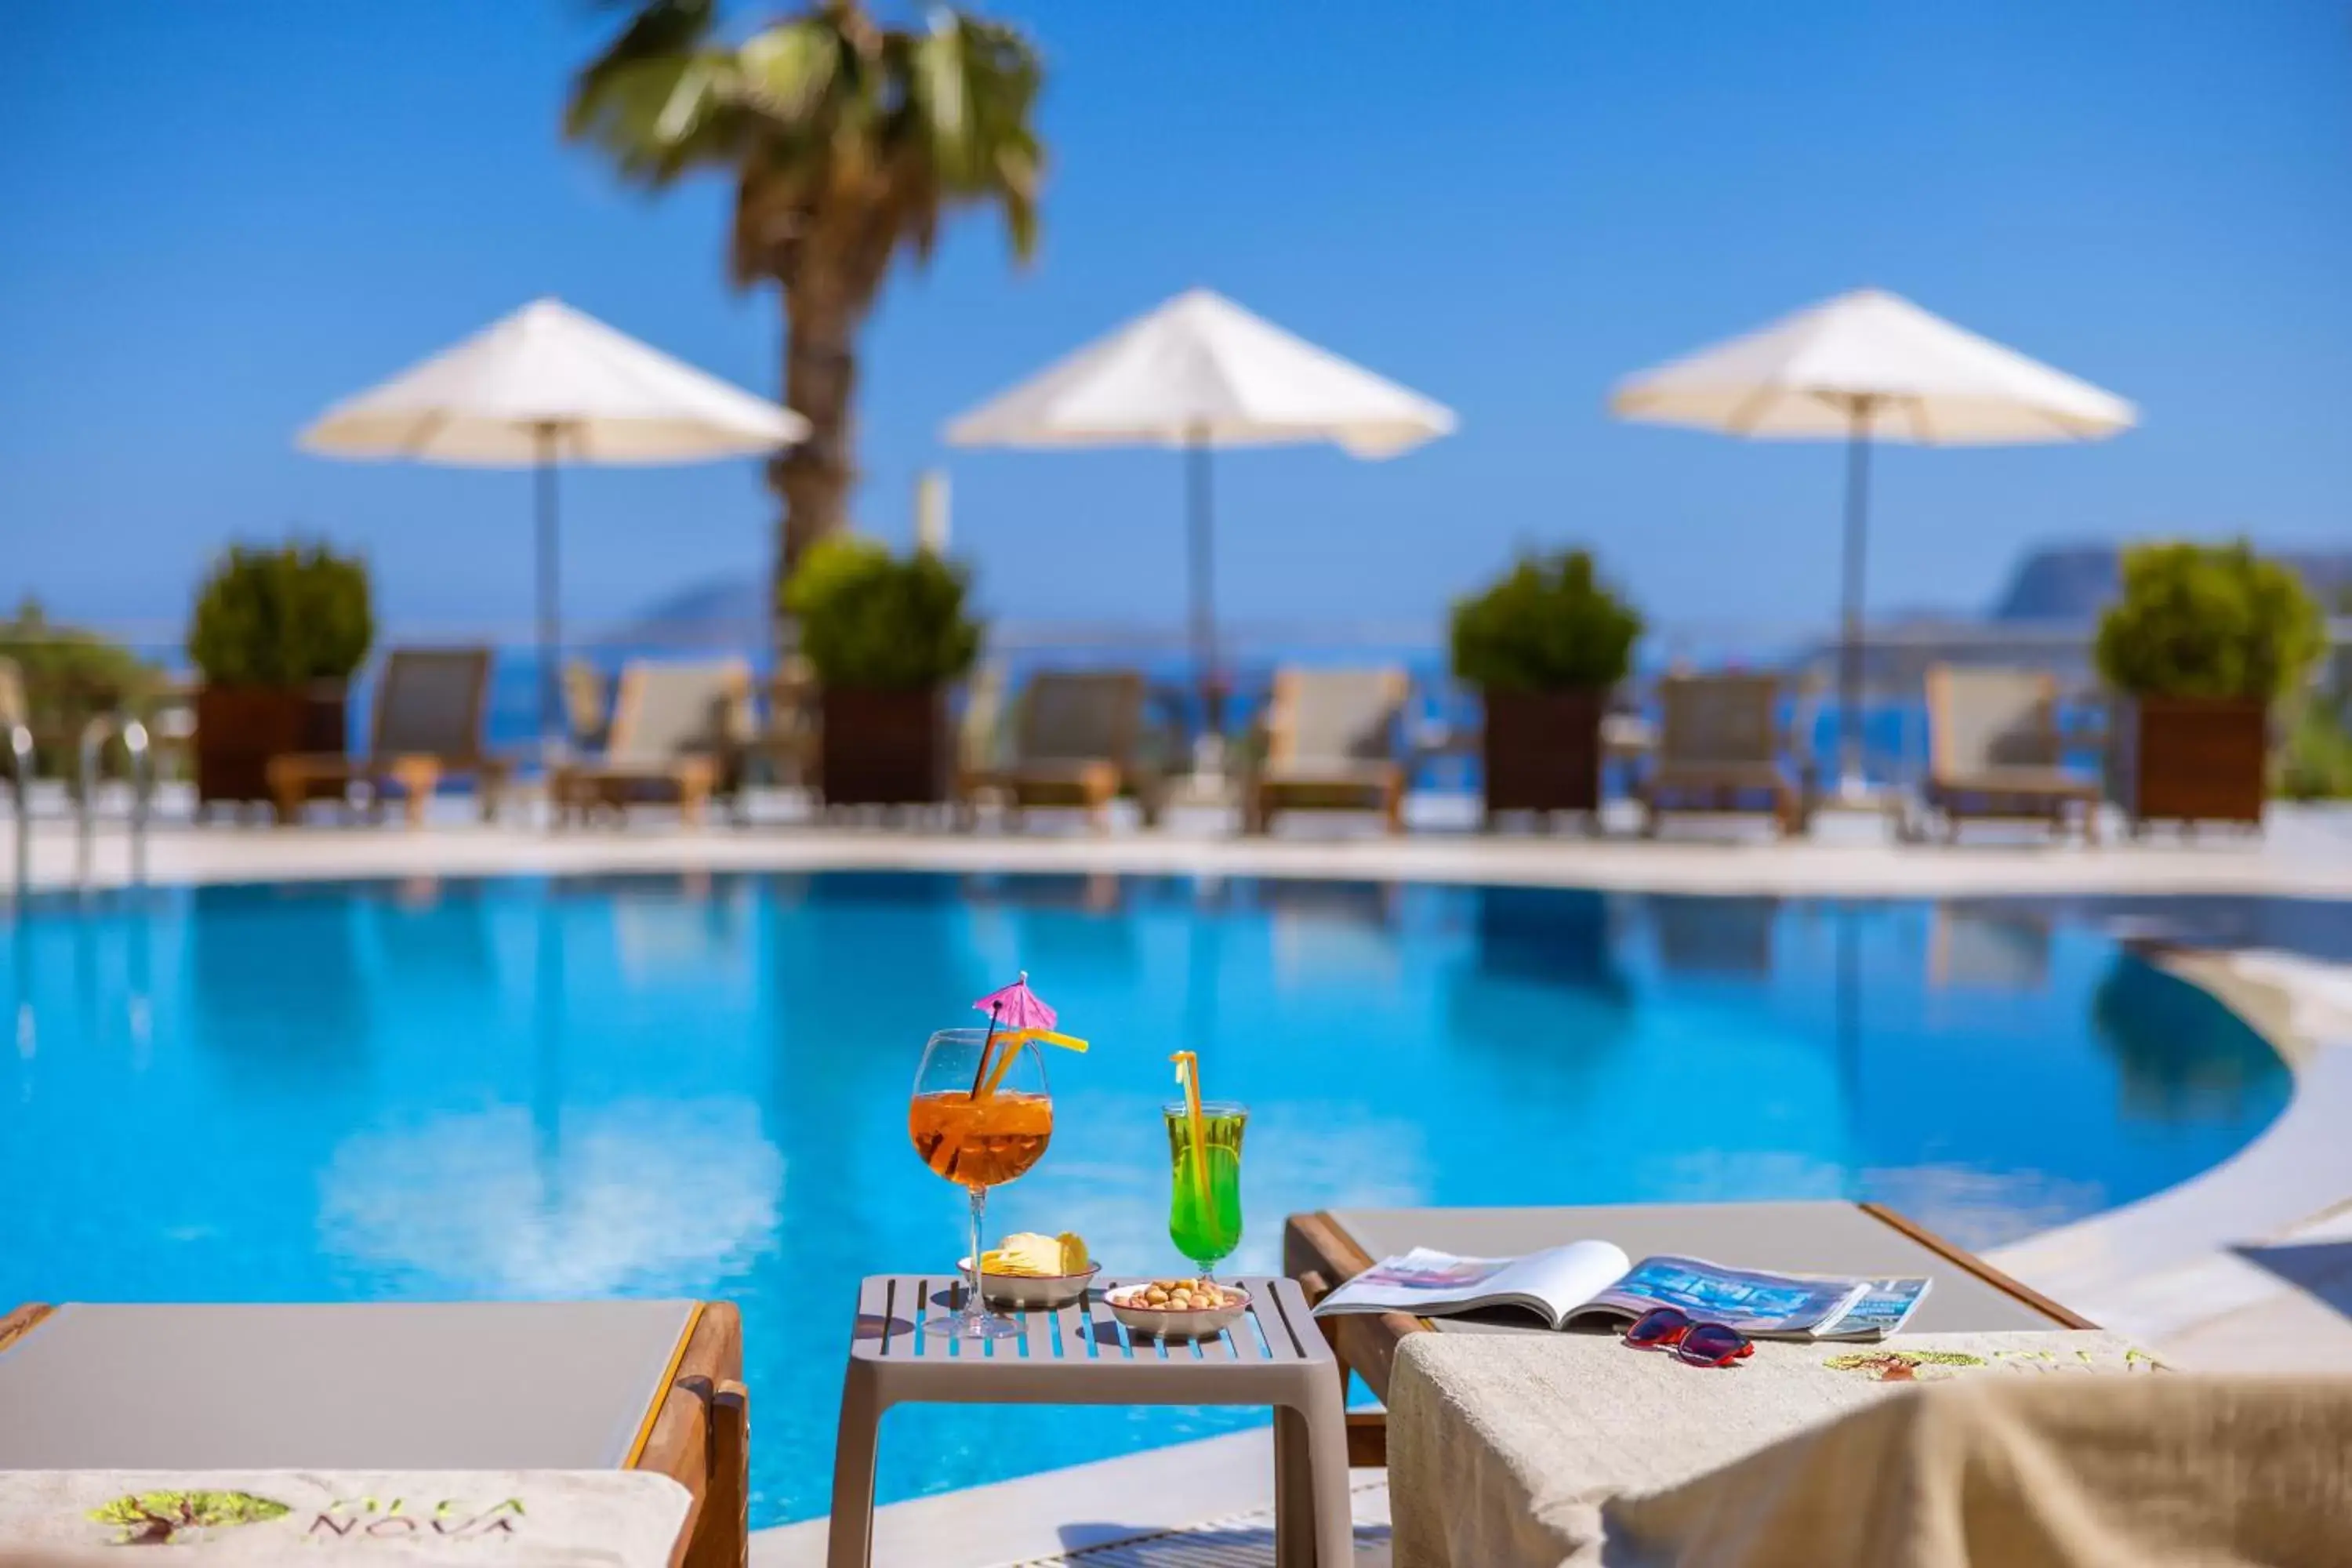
222	217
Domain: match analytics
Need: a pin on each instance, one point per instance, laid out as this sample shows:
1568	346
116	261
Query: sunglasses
1700	1345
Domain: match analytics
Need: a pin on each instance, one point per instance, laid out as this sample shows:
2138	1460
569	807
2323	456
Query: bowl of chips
1178	1309
1030	1270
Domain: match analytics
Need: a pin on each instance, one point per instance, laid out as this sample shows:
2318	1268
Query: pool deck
2247	1267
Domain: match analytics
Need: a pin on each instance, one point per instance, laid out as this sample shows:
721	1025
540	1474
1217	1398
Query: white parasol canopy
548	385
1870	366
1201	372
549	374
1877	359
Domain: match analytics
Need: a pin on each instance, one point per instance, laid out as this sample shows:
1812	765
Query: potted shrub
1544	646
2202	641
70	675
276	635
887	635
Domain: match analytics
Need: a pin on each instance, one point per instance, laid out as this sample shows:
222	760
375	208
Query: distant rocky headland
2057	586
2071	583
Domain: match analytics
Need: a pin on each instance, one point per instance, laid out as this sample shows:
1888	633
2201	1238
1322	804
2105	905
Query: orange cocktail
980	1143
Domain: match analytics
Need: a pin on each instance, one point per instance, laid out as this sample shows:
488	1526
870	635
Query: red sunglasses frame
1670	1328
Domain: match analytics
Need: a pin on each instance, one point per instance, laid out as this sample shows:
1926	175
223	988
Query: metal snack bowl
1037	1292
1170	1323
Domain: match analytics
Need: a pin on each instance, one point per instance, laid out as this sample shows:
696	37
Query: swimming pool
697	1085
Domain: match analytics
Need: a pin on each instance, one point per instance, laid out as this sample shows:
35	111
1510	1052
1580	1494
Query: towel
520	1519
2159	1472
1568	1450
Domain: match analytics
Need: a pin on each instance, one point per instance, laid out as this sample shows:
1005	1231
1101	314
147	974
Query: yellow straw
1187	1073
1008	1043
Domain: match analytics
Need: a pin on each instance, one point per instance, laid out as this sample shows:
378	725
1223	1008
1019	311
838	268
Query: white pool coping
2172	1270
2307	853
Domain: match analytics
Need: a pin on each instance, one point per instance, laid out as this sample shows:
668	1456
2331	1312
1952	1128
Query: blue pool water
666	1085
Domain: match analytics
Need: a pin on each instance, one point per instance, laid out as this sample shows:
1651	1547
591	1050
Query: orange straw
1187	1073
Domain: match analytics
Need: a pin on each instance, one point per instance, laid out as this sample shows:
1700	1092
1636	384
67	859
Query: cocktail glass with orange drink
980	1116
978	1139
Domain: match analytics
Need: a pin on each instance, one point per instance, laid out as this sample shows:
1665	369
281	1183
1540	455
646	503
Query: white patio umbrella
543	386
1201	372
1869	366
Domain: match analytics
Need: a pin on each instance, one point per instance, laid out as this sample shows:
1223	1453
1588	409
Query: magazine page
1429	1283
1884	1306
1773	1305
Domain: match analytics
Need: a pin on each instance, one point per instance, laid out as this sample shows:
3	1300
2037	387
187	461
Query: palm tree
847	142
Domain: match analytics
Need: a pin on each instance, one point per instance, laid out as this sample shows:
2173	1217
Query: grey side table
1081	1355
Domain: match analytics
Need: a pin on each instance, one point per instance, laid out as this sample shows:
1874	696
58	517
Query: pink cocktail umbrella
1016	1007
1024	1015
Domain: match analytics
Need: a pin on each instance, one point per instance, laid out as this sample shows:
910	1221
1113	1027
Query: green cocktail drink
1204	1202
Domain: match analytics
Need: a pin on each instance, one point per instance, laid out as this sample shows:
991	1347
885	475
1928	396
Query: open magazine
1594	1281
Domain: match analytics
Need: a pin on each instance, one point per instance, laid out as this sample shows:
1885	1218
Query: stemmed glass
1204	1196
980	1116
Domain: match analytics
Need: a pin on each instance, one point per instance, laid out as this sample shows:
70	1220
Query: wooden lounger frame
1318	1252
696	1432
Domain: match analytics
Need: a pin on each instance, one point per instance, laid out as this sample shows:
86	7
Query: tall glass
1205	1199
980	1117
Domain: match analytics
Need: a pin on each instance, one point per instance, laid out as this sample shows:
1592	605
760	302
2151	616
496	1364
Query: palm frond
841	135
661	30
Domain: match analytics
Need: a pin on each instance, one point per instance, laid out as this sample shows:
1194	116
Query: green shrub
1548	625
281	617
2315	764
70	674
870	621
2208	621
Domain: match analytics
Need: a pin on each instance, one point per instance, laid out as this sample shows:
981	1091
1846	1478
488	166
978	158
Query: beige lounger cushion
468	1385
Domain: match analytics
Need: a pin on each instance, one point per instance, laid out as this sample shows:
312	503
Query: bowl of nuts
1178	1309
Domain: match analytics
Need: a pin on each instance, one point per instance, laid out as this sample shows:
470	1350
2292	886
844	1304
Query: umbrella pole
1851	783
550	730
1208	755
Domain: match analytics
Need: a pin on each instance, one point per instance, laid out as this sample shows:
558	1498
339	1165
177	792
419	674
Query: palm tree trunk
814	479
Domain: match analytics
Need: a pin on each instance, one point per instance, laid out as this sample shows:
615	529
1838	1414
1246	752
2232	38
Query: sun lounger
1077	740
1994	750
490	1388
1719	749
1324	1250
678	729
1329	741
427	726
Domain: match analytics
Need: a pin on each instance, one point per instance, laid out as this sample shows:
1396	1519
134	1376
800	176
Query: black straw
981	1070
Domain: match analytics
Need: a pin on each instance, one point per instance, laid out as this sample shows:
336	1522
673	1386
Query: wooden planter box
2192	758
883	748
1541	751
240	728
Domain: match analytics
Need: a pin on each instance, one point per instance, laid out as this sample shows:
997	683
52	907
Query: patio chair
587	709
1328	740
1994	749
1077	740
1719	749
427	726
678	729
293	1400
